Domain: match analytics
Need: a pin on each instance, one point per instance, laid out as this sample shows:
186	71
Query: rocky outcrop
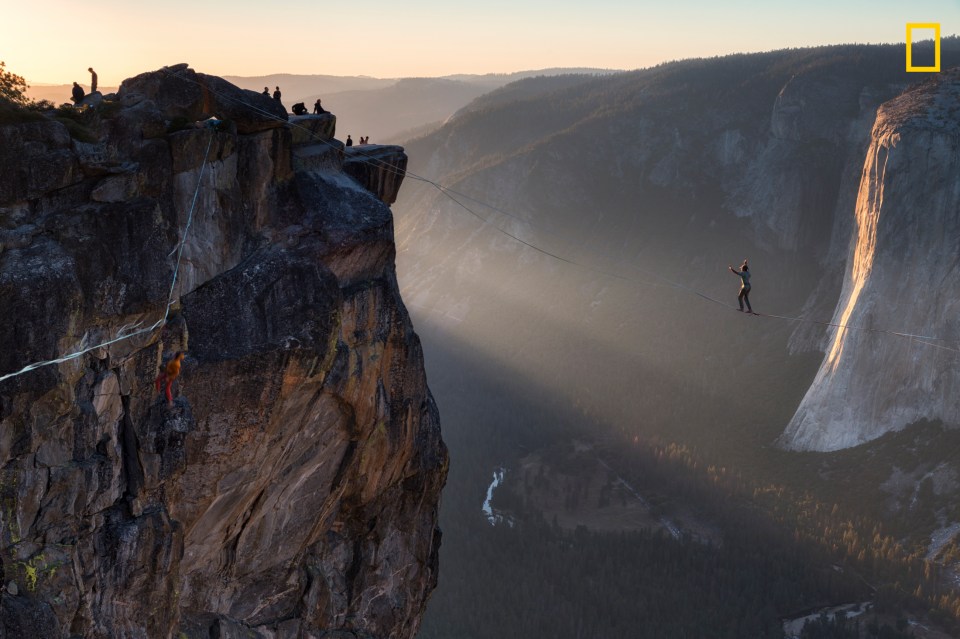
309	129
379	168
180	92
902	274
314	147
291	488
93	99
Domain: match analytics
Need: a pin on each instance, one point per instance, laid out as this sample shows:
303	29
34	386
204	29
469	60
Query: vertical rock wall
902	274
291	489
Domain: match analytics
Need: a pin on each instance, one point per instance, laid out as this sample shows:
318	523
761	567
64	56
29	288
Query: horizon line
41	83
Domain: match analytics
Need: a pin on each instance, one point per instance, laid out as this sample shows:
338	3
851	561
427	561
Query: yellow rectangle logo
936	47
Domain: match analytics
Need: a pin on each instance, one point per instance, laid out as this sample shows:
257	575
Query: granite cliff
292	487
901	273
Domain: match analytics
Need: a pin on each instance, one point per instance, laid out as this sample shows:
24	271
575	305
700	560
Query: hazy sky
56	40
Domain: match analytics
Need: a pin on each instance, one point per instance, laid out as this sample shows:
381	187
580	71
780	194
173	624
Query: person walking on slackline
744	274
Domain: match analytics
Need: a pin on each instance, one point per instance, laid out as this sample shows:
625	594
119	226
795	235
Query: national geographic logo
935	26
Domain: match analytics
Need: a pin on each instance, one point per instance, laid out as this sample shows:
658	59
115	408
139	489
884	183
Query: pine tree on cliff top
12	87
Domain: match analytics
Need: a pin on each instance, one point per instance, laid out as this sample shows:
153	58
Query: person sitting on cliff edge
299	108
169	374
77	93
744	295
318	108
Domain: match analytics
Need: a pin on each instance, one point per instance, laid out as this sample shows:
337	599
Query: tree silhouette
12	87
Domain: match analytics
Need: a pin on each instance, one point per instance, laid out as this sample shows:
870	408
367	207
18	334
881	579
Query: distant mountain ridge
319	83
384	108
407	104
676	170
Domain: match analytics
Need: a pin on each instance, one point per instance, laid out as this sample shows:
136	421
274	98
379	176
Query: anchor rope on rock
122	333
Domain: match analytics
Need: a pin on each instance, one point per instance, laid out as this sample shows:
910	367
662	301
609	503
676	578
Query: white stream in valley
492	517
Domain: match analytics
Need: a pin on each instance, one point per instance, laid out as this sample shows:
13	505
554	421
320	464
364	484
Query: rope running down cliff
450	193
122	334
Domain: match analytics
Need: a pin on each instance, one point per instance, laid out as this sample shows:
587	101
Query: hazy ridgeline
388	109
676	171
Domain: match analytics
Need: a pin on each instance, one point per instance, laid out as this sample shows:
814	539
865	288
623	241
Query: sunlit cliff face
869	203
901	283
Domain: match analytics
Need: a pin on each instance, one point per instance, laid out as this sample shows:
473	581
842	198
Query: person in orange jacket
169	374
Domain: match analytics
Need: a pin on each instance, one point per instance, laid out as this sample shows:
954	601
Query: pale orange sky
55	42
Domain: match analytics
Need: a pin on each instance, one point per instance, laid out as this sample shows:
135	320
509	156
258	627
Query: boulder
249	110
310	129
91	100
175	90
378	168
180	92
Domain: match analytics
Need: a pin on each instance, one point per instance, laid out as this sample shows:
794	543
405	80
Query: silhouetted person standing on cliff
276	94
93	80
266	92
349	140
744	295
77	93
